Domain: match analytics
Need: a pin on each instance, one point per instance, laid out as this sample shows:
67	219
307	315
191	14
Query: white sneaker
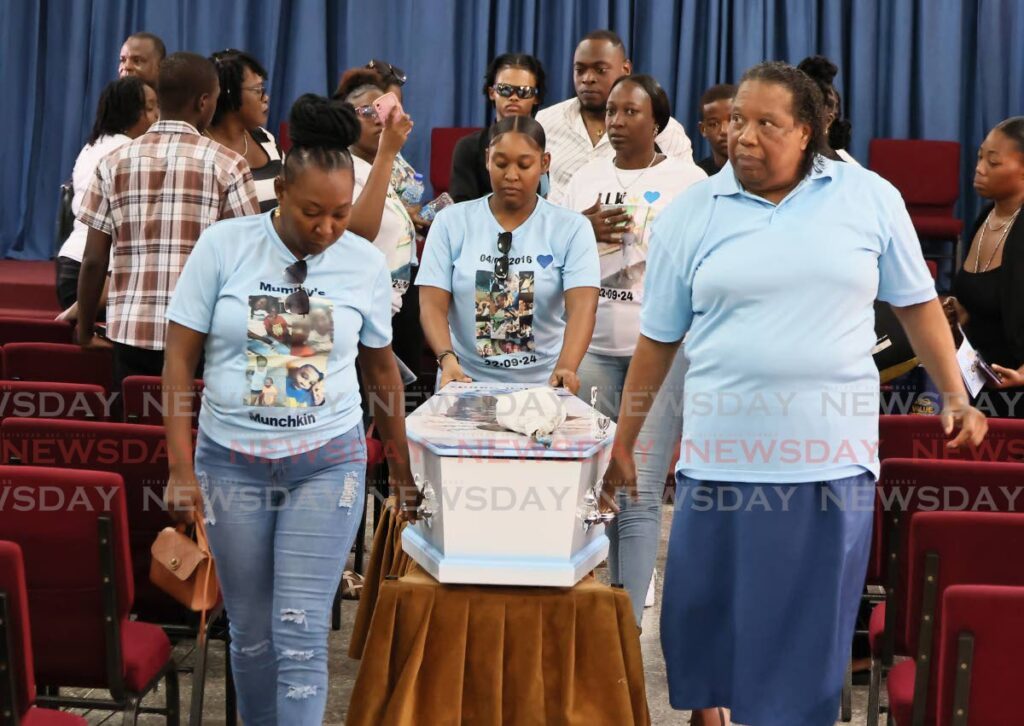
649	600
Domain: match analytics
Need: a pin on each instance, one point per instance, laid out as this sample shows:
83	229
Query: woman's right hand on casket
620	475
451	370
182	496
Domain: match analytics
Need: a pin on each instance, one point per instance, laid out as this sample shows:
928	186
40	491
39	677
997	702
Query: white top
396	238
644	193
570	145
85	169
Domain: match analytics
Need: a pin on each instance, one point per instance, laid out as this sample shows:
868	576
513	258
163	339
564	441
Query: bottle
413	192
430	209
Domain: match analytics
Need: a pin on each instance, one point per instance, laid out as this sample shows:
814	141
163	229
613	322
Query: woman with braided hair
280	479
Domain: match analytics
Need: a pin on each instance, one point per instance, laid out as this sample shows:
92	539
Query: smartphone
384	104
986	370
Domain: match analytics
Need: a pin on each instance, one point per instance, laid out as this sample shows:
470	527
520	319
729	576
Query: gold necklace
245	140
995	250
992	214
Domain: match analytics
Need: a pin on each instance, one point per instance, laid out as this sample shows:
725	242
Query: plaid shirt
154	197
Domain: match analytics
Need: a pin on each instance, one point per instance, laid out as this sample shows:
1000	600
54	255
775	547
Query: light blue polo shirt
280	382
777	304
509	330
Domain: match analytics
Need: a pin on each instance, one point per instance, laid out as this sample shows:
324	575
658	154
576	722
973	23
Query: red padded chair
442	146
58	362
139	455
907	486
80	590
283	139
18	687
34	330
946	549
927	174
31	399
3	363
979	655
143	404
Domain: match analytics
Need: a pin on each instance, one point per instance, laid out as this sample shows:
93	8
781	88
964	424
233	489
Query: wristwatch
444	354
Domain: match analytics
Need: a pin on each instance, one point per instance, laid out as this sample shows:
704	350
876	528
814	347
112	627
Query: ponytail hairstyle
526	125
321	130
1013	128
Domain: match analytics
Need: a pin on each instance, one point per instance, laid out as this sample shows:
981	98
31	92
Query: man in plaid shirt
148	203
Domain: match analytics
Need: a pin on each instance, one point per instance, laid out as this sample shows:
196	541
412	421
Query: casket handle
590	511
428	506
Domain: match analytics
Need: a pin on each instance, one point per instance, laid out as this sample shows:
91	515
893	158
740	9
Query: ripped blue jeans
280	531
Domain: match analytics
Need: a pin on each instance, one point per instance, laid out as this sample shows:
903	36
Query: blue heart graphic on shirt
545	260
652	197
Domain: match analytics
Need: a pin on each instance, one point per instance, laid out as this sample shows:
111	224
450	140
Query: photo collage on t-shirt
623	263
286	352
504	313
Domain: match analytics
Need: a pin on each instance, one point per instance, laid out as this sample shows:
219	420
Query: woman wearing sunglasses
509	282
622	196
515	83
238	123
279	476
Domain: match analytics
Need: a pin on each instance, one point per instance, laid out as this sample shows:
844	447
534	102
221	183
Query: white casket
502	508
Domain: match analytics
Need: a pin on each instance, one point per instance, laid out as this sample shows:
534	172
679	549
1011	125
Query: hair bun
819	68
318	122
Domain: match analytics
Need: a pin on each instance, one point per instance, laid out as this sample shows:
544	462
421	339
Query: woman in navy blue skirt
771	268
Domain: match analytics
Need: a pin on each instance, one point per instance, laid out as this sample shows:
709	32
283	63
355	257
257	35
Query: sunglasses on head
298	301
388	71
505	90
501	263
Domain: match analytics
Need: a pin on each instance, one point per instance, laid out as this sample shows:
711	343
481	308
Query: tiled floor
343	673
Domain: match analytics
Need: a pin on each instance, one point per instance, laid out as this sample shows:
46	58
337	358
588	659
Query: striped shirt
154	197
263	178
570	146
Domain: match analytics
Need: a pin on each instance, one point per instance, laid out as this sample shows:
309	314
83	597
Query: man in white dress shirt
575	128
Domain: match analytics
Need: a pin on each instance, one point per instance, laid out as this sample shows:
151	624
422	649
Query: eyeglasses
501	263
388	71
298	301
505	90
260	90
367	112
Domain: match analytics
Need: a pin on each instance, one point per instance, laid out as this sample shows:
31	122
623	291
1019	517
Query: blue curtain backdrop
937	69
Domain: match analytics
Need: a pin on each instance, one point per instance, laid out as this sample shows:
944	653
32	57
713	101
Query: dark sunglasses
505	90
298	301
388	70
501	263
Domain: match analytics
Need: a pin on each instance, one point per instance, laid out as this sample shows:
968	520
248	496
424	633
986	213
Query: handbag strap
204	546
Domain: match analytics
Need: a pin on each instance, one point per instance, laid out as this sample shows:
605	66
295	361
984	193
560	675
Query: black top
469	178
709	166
994	302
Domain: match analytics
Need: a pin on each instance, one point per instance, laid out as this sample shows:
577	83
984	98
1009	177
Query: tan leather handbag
183	567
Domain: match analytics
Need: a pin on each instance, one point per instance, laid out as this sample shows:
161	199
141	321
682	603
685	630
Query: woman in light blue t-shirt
282	305
509	282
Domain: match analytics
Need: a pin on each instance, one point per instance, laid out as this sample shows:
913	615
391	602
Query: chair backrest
34	330
16	626
982	629
137	453
926	173
946	549
442	146
143	404
908	486
38	399
3	363
283	139
922	437
54	515
58	362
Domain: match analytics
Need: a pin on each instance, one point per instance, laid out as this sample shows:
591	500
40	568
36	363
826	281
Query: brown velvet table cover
515	656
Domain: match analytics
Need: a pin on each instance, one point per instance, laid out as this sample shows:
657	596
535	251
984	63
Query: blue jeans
280	531
635	532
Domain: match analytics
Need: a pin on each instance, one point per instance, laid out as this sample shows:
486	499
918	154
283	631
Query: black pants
67	281
132	361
